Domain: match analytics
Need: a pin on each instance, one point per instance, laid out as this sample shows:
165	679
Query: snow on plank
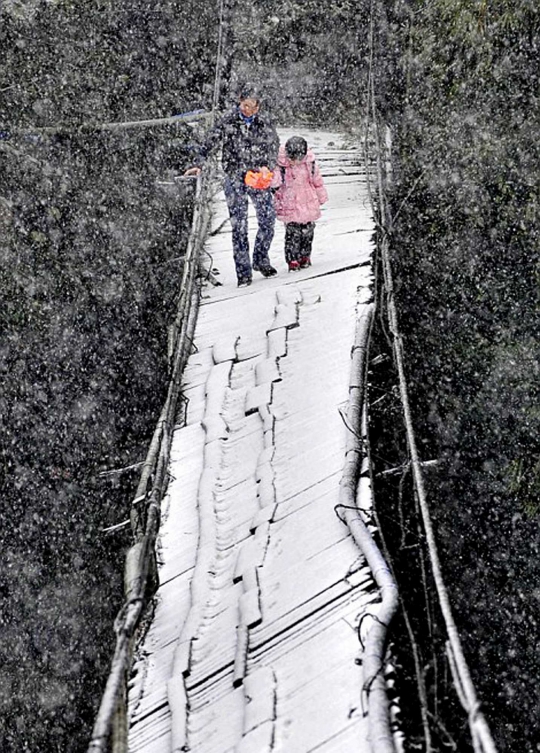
254	645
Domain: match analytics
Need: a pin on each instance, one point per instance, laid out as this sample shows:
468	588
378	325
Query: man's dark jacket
243	147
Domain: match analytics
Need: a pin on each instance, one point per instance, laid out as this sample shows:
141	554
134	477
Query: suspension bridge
257	601
254	641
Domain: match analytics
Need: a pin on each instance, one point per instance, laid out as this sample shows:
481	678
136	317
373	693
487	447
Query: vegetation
91	244
92	235
322	45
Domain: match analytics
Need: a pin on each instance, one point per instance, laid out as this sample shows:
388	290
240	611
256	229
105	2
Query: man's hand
193	171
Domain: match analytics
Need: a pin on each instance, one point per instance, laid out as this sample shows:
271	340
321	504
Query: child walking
300	192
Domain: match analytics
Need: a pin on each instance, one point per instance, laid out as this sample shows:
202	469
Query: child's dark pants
298	241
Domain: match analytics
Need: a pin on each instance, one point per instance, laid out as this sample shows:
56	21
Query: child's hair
296	147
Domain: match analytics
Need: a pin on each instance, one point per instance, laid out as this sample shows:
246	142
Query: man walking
249	145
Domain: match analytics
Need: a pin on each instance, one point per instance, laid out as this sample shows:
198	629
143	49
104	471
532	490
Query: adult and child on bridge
283	182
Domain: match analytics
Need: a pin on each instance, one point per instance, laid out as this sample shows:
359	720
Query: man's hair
249	91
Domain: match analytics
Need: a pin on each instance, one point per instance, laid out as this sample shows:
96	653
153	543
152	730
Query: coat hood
284	161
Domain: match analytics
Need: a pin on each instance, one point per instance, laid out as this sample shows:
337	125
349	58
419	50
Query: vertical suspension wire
219	60
480	732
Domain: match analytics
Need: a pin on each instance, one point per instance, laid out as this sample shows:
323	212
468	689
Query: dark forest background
92	231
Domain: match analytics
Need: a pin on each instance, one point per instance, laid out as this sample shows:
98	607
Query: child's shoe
305	262
294	266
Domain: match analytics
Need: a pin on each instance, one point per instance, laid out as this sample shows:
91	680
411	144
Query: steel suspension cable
460	670
480	731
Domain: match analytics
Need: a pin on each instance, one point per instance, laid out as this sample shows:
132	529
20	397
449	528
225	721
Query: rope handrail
65	128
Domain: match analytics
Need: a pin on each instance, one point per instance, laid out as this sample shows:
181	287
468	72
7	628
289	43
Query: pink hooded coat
299	197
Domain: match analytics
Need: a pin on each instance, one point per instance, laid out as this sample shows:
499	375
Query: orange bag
260	179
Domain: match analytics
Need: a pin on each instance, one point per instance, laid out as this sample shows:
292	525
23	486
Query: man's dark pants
237	193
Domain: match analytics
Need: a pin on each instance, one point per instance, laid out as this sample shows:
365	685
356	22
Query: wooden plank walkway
254	643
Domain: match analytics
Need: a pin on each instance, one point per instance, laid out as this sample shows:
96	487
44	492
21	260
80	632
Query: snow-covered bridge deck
253	646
